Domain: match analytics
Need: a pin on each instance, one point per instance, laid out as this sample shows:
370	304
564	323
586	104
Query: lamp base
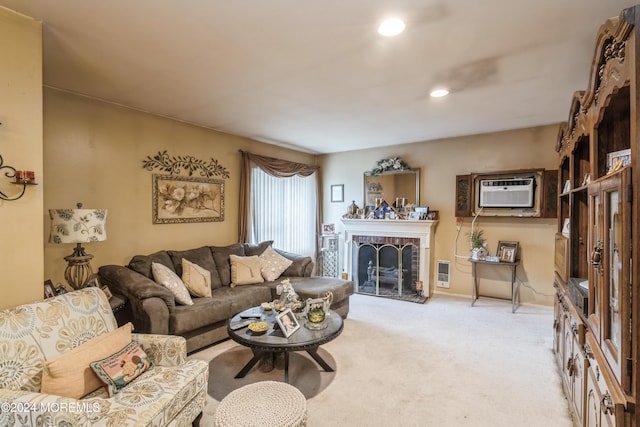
78	271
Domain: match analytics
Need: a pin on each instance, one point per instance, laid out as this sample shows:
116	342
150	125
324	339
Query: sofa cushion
223	263
224	303
317	287
196	279
70	374
251	249
142	263
245	270
200	256
122	367
167	278
272	264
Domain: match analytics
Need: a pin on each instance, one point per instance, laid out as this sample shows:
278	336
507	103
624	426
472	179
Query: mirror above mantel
390	185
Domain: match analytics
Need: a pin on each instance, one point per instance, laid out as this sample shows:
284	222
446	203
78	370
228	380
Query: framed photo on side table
287	322
507	251
49	290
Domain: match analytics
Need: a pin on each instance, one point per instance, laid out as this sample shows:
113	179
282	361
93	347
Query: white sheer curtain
283	209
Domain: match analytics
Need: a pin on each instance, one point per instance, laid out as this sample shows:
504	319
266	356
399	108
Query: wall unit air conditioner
507	192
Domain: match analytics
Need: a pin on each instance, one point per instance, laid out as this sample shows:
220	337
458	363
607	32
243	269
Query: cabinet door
616	224
595	253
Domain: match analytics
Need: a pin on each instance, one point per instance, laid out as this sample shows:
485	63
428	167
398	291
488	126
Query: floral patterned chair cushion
172	392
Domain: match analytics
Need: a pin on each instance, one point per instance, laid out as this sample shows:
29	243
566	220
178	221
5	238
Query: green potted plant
478	244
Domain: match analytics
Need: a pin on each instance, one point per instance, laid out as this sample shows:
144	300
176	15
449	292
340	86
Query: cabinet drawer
605	402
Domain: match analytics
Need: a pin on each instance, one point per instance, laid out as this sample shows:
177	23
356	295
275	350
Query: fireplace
389	257
383	267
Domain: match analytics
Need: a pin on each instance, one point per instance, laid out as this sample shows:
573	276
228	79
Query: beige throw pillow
170	280
245	270
272	264
196	279
70	374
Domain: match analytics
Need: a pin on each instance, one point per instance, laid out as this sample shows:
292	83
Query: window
284	209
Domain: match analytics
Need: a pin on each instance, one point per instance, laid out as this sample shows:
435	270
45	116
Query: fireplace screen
385	268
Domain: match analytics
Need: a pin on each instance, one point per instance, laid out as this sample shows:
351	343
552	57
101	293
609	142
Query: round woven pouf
266	403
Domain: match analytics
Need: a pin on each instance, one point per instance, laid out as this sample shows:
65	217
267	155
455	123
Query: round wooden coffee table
274	341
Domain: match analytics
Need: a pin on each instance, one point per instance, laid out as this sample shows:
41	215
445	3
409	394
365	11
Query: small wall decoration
187	199
392	164
337	193
174	165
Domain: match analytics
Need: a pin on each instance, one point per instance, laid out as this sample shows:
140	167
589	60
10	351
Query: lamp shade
78	225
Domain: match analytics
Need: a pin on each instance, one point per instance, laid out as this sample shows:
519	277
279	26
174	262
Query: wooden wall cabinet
596	336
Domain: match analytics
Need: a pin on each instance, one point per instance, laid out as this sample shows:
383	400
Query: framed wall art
181	199
337	193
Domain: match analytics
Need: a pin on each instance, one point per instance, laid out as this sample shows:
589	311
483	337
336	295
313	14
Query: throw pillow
272	264
167	278
201	256
196	279
70	374
223	263
245	270
119	369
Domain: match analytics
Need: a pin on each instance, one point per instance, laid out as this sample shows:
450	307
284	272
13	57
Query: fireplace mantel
420	229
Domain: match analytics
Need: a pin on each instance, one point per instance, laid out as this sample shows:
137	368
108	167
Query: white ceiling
315	75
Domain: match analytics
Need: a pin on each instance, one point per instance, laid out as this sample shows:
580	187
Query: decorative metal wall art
175	164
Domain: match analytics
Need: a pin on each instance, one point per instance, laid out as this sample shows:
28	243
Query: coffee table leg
319	360
286	367
257	355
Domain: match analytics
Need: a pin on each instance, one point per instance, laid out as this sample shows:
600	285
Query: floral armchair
171	393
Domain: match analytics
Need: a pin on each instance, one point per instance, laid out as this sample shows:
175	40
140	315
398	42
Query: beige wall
21	256
440	161
93	153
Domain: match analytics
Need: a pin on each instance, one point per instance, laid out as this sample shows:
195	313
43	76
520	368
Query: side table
121	309
515	288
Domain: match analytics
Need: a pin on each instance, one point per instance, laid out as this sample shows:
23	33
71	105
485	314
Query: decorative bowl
258	327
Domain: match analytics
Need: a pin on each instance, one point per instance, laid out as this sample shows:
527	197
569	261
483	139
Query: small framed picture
566	227
287	322
507	251
337	193
49	290
508	255
618	159
415	215
107	291
328	228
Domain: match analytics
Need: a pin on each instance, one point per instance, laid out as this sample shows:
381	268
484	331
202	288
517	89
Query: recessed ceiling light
391	27
439	93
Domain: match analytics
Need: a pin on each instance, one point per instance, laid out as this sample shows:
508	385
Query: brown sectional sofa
153	308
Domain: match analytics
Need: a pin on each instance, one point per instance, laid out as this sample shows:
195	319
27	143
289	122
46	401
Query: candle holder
23	178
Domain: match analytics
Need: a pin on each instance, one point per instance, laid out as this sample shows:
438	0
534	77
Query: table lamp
78	226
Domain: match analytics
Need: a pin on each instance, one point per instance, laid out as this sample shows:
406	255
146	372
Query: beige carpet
442	363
